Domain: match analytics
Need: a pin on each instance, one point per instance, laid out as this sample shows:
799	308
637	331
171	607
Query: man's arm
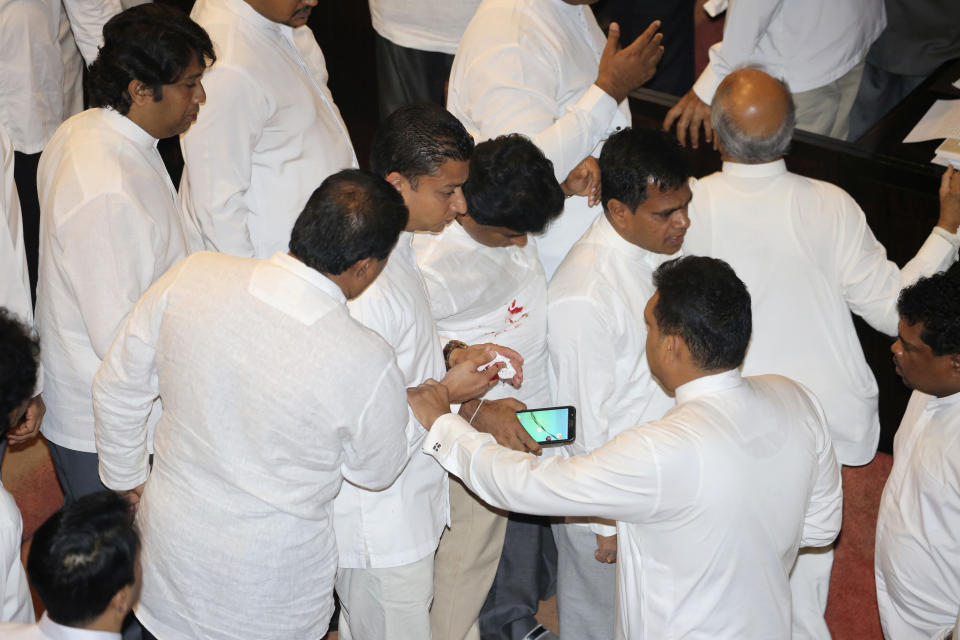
126	386
218	160
746	22
510	90
87	18
871	283
825	508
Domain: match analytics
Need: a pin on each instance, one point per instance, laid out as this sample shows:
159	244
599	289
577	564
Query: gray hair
745	148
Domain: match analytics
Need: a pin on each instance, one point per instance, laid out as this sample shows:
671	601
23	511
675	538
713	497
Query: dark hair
935	301
416	139
82	556
19	352
632	157
512	184
153	43
353	215
704	302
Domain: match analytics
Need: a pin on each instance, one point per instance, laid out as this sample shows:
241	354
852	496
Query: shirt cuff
444	432
706	85
605	530
952	238
600	106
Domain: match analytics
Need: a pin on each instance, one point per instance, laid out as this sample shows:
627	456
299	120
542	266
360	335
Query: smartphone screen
554	425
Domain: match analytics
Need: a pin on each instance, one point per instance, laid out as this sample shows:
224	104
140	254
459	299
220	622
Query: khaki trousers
826	110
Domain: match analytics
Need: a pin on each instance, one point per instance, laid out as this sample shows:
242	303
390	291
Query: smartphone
553	425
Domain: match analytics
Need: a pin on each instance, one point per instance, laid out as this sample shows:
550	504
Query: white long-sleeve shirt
490	294
403	523
806	254
268	134
427	25
917	560
109	227
597	338
529	66
16	605
47	629
32	66
272	395
808	43
712	502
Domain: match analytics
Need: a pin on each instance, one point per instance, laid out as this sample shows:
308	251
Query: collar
609	236
248	14
708	385
288	263
127	128
946	403
765	170
54	631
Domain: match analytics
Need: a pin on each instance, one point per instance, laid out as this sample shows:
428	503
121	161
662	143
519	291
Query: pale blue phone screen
546	425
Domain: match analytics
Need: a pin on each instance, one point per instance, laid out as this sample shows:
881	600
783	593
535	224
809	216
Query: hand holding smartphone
550	426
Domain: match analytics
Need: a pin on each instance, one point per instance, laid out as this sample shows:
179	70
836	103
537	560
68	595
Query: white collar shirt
484	294
47	629
427	25
808	43
16	605
712	502
918	529
272	395
267	136
109	227
529	66
806	254
32	102
403	523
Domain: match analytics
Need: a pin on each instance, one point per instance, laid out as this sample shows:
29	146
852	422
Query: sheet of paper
941	121
957	83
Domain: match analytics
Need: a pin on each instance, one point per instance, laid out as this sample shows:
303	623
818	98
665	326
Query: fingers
613	40
527	442
946	179
707	128
649	36
671	117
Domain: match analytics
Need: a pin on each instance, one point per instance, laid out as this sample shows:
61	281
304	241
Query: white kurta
918	528
16	605
272	395
32	66
403	523
267	136
490	294
712	502
427	25
47	629
14	281
597	338
809	43
528	66
808	258
109	227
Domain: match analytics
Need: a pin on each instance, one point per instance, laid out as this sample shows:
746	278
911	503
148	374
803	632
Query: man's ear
673	346
955	364
361	267
122	601
618	213
397	180
140	93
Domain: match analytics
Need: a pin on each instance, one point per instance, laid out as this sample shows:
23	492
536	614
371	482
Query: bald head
753	115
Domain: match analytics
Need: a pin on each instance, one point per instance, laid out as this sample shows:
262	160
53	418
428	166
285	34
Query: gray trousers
586	588
77	471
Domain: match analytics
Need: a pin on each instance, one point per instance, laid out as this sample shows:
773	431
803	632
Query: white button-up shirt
403	523
712	502
808	43
32	66
918	528
109	227
272	395
15	281
597	338
47	629
490	294
268	134
528	66
16	604
427	25
806	254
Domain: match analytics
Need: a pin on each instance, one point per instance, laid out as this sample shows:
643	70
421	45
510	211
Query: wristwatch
449	348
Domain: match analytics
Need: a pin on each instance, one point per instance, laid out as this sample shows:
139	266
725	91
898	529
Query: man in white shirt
485	282
41	85
712	501
917	558
541	68
110	223
271	130
805	251
415	43
15	283
19	366
272	396
84	564
817	46
597	339
387	539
